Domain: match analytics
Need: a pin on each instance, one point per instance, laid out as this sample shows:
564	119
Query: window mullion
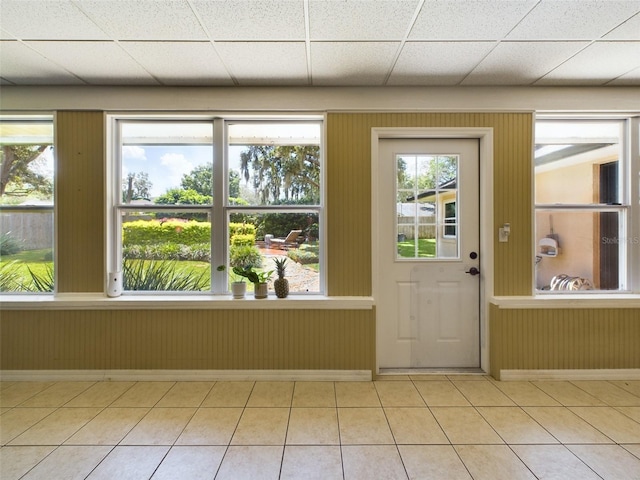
219	214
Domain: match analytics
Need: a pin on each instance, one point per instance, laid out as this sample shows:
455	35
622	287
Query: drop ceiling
320	42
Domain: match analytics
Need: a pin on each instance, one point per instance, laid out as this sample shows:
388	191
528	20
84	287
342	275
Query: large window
190	194
586	205
26	204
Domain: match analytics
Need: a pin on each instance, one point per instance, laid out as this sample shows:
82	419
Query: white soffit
47	20
359	63
269	63
17	60
180	63
468	20
360	20
573	20
596	64
145	20
95	62
319	42
246	20
437	63
629	30
521	63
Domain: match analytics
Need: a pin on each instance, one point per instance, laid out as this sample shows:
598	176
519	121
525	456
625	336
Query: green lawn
15	275
426	248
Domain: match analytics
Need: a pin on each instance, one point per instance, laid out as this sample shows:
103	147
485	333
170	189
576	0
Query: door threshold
430	371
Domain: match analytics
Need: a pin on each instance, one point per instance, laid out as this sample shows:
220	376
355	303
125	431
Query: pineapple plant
281	284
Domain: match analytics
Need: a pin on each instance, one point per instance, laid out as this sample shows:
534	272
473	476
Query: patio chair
291	240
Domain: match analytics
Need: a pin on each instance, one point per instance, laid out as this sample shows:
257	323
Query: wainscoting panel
571	339
188	339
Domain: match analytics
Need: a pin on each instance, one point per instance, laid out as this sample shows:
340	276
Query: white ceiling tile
437	63
98	63
351	63
47	20
145	20
468	19
596	64
180	63
266	63
360	20
20	64
574	20
252	20
631	78
629	30
521	63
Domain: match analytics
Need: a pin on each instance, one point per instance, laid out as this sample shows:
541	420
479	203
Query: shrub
168	251
241	239
9	245
244	256
302	256
147	232
242	229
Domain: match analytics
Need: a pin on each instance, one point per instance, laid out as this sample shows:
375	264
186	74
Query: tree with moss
18	177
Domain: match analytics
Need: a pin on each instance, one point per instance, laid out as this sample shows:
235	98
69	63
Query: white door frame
485	137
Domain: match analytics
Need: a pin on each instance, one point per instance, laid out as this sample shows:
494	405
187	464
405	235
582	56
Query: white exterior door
428	305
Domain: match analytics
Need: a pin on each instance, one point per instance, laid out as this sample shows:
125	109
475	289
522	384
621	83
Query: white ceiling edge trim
292	99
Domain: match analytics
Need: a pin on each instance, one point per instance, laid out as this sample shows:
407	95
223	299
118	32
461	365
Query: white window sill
568	300
96	301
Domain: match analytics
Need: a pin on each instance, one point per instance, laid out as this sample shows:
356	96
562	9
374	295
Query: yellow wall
349	188
550	339
297	339
188	340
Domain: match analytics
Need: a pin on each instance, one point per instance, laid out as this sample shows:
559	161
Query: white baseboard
185	375
595	374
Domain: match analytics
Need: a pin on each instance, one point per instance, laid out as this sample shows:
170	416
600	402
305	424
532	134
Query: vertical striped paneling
564	339
188	339
80	201
349	194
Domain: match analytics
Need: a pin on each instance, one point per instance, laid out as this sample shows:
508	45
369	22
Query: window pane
578	250
166	254
256	239
425	185
167	163
585	152
26	199
275	163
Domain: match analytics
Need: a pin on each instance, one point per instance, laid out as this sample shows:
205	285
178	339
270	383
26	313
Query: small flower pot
261	290
238	289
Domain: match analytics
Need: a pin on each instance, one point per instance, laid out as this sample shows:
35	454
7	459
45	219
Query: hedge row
180	232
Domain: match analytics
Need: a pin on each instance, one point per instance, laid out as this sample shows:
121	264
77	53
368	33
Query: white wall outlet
504	232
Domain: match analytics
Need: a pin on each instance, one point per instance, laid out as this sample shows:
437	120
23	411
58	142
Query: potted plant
238	285
259	280
281	284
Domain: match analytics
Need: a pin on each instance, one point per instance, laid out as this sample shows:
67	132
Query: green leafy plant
161	276
250	274
43	282
10	278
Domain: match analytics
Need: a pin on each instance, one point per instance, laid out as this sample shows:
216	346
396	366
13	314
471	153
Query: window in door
426	211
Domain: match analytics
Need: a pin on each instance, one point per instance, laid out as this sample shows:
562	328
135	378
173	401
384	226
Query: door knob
473	271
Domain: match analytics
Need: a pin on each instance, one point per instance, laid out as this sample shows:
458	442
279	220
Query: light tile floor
427	427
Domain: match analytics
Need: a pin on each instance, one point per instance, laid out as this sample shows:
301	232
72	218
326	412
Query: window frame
627	207
39	118
220	209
